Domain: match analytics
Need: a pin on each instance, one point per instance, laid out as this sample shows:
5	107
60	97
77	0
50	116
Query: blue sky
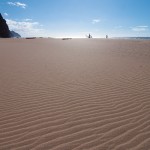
76	18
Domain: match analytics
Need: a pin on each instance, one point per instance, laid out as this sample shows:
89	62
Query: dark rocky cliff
15	35
4	30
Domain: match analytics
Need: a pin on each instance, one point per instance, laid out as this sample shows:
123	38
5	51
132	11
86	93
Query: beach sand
77	94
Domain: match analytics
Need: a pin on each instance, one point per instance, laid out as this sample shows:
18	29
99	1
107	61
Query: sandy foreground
79	94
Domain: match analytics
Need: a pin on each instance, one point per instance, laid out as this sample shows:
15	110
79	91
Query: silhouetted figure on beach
89	36
106	36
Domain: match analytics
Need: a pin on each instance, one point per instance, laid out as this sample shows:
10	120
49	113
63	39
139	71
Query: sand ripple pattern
79	94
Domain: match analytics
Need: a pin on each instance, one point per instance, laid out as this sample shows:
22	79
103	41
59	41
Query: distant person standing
89	36
106	36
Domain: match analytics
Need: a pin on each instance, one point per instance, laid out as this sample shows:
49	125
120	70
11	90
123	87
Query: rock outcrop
4	30
15	35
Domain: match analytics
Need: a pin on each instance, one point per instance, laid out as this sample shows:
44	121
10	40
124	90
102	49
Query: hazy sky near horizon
76	18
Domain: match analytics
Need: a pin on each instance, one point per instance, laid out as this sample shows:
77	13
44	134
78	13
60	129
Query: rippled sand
79	94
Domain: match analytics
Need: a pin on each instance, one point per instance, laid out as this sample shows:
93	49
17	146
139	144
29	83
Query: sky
77	18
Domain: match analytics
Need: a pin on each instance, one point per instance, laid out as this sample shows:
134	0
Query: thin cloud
139	28
17	4
25	28
94	21
5	14
118	27
142	26
27	19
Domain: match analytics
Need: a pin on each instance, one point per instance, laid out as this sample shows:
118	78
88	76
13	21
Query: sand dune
77	94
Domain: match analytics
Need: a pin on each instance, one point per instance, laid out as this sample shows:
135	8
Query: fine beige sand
76	94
